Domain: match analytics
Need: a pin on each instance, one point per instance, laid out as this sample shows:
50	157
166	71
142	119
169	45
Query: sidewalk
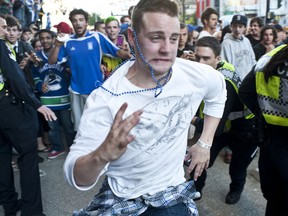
59	199
213	203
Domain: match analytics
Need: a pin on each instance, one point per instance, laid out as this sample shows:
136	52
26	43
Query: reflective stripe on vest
272	97
230	74
228	70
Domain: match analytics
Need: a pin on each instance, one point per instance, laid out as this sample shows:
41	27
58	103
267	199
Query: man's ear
205	21
218	58
130	35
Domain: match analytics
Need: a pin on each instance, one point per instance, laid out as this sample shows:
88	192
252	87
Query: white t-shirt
154	160
204	33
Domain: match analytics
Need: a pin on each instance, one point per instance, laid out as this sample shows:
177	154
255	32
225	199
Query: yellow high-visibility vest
273	96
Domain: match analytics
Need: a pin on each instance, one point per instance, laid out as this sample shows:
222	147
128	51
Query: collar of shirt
15	46
86	35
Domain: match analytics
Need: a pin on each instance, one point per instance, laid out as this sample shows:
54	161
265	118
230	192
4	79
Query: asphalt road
59	199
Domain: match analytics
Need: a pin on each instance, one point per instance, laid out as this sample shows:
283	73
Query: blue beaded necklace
157	89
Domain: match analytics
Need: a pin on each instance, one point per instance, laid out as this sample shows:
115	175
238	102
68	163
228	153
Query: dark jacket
20	55
14	78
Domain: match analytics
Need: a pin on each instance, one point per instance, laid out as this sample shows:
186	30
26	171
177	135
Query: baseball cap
240	19
63	27
191	28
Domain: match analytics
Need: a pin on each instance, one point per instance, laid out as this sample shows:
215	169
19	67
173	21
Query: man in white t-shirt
209	19
135	125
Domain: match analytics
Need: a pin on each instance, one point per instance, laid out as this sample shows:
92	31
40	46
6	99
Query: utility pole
183	11
267	11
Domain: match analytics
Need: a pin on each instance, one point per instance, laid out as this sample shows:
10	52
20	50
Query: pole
200	11
183	11
267	11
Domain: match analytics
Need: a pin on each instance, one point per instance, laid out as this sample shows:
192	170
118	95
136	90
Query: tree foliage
93	18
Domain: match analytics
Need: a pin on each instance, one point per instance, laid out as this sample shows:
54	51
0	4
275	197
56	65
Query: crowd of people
236	50
124	95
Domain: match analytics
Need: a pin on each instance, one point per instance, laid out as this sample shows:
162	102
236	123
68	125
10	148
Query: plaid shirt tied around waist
105	203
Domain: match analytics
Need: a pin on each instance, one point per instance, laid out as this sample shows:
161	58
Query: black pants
18	128
273	168
243	149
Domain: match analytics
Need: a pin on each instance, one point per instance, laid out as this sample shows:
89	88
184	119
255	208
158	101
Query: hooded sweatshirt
238	52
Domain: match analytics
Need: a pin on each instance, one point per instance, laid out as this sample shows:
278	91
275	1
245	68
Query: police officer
18	129
268	84
207	51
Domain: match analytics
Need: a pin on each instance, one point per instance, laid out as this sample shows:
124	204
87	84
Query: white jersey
154	160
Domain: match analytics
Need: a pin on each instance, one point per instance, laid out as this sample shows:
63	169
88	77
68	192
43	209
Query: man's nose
165	45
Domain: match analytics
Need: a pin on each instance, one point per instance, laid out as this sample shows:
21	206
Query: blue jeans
179	209
64	120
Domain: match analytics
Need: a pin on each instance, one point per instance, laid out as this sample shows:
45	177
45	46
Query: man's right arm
123	54
83	171
53	57
88	168
109	48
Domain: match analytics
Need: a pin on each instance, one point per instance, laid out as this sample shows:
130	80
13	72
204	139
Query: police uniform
273	161
18	129
272	97
231	123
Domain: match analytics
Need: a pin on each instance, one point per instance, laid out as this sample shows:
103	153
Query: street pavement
59	199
